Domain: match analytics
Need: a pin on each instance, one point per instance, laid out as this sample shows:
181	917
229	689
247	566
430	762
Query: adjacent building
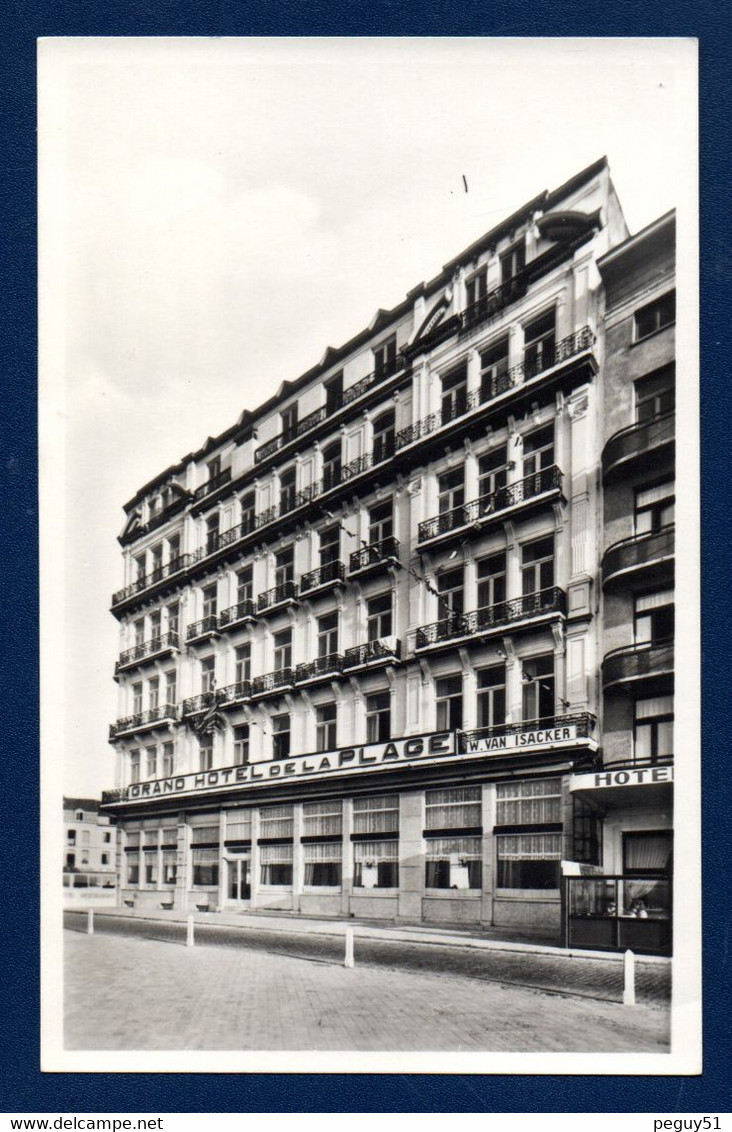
90	863
362	631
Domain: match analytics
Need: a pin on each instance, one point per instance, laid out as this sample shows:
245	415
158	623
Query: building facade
361	631
90	860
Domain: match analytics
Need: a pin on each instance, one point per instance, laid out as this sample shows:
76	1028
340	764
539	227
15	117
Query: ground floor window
133	868
323	864
170	867
454	862
276	864
646	853
150	859
205	868
376	864
529	860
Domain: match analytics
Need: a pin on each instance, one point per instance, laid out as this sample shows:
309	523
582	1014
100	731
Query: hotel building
362	631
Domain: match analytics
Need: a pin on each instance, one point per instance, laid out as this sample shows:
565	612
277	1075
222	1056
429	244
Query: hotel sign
635	776
545	737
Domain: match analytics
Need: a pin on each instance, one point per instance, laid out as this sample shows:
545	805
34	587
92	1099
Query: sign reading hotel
635	776
350	760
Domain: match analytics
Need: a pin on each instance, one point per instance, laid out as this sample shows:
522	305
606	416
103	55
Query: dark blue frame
25	1089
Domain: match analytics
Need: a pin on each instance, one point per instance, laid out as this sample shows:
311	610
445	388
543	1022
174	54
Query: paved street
126	990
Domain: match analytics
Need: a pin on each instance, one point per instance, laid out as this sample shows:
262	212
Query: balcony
326	577
463	627
281	680
277	443
284	594
647	667
580	725
237	614
542	487
375	378
375	556
155	647
375	654
646	442
322	668
195	704
144	720
159	518
202	630
154	578
213	483
236	693
647	558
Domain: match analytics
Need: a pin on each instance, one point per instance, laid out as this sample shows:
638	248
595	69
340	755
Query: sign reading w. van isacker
350	760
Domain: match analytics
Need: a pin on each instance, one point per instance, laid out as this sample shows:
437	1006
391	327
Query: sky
215	213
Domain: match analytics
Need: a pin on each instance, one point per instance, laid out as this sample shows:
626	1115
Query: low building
90	859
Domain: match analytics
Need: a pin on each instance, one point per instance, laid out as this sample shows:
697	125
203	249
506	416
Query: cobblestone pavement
123	992
598	978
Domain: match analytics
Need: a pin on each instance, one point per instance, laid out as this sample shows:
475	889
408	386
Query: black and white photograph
364	746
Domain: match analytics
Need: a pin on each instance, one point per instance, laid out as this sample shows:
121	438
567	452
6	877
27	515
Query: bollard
189	933
90	921
349	961
629	978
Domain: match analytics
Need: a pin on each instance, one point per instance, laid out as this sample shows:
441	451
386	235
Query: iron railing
153	577
109	797
637	551
371	379
494	302
287	591
161	643
142	719
242	611
373	651
159	519
213	483
232	693
375	554
477	621
643	661
480	510
638	440
202	628
271	681
330	573
322	666
583	721
194	704
312	420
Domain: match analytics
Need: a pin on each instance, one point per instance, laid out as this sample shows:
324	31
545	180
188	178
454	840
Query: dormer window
385	357
214	468
288	418
476	288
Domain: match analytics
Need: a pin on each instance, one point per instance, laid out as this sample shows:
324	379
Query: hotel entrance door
239	878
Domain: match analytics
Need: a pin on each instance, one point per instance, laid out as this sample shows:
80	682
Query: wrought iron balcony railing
640	553
644	662
284	438
385	650
213	483
109	797
195	704
494	302
373	378
159	574
583	722
272	681
235	693
165	642
159	518
330	573
278	595
478	621
328	665
481	510
376	554
243	611
143	719
643	440
203	628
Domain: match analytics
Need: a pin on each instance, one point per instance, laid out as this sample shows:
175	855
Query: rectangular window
449	695
205	864
655	316
453	862
451	493
654	616
276	821
376	815
378	617
151	757
647	853
153	692
170	866
243	663
136	698
155	621
492	472
107	838
139	631
334	393
212	532
71	836
174	551
288	489
586	833
173	617
134	767
454	400
537	566
281	736
376	864
105	858
328	635
171	687
208	674
385	357
205	752
476	288
325	727
537	688
458	807
168	760
288	418
210	601
330	545
384	426
248	512
205	835
132	867
539	342
381	521
655	394
493	370
140	567
276	865
283	650
214	468
323	864
244	585
513	260
157	561
241	744
492	696
284	566
239	825
378	717
491	575
322	819
654	507
538	450
654	729
529	860
451	587
150	861
536	801
331	465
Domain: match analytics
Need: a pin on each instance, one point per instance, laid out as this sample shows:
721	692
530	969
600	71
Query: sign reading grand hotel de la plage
349	760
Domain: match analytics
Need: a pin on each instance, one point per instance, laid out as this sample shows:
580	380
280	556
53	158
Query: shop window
132	867
654	507
528	860
454	808
454	400
537	801
276	821
655	394
205	868
328	635
538	688
325	727
376	815
493	370
332	463
453	862
384	426
322	819
169	866
654	617
150	863
539	342
378	617
381	521
284	566
492	471
647	853
385	357
288	489
275	864
376	864
239	825
655	316
537	566
281	736
449	697
654	729
241	744
378	717
492	696
323	864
